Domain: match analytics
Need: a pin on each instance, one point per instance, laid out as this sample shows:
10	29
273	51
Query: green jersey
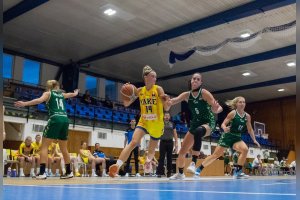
200	109
238	124
56	104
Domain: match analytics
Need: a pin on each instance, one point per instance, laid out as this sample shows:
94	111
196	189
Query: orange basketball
128	91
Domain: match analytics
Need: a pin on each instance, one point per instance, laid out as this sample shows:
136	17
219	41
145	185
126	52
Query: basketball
128	91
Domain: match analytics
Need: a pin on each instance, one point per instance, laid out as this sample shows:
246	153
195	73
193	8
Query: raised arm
182	97
208	97
71	94
250	130
33	102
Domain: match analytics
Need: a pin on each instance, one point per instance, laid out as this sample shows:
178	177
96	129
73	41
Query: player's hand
20	104
227	129
215	106
255	142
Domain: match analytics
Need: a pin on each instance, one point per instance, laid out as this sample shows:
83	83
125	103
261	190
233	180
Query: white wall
48	72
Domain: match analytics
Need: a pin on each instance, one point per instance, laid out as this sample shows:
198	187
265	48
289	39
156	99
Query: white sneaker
192	168
104	174
67	176
22	174
177	176
240	175
94	175
138	175
126	175
41	176
32	174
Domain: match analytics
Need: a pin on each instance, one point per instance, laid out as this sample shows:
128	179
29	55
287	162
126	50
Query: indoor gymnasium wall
279	115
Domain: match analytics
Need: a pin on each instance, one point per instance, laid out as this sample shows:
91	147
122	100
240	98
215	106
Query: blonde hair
52	84
146	70
232	103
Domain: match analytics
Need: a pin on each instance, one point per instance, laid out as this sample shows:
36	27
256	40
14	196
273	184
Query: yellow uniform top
85	155
26	150
51	149
36	147
152	112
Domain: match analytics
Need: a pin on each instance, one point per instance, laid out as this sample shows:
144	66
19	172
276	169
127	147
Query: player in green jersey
202	105
236	123
57	126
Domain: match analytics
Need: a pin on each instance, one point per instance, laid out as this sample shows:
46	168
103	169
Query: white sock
57	171
37	170
32	171
120	163
93	171
21	171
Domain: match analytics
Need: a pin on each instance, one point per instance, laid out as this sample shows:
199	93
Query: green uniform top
56	104
200	109
238	124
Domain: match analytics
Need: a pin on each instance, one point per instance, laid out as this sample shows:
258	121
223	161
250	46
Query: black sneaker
67	176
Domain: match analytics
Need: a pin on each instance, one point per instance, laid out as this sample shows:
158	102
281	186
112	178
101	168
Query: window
31	72
7	65
110	90
91	85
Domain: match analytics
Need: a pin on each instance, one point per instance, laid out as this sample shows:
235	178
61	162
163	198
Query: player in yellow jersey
25	154
36	151
152	104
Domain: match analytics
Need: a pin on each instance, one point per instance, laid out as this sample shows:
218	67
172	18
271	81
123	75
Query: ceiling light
110	12
281	90
245	35
246	74
291	64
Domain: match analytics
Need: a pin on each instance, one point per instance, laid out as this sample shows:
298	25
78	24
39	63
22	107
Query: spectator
257	164
25	154
100	158
86	98
293	167
87	157
36	151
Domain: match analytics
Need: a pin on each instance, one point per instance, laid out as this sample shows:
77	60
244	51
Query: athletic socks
180	170
194	159
42	168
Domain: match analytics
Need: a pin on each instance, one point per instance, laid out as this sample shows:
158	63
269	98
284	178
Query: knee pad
199	133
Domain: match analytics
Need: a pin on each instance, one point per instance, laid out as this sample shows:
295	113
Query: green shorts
57	128
227	140
195	124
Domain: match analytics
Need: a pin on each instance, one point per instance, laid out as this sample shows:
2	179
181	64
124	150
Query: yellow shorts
154	128
85	160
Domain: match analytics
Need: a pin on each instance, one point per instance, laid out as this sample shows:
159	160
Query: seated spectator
100	158
86	98
53	159
257	165
36	151
293	167
87	157
25	154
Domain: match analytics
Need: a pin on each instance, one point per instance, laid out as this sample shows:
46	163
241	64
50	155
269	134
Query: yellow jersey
36	147
152	112
26	150
85	155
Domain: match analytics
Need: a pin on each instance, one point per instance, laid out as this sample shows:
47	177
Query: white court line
278	183
157	190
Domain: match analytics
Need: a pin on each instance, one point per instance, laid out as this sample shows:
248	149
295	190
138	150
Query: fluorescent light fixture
246	74
110	12
245	35
281	90
291	64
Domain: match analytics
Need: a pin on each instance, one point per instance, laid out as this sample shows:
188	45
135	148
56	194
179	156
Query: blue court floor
281	188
